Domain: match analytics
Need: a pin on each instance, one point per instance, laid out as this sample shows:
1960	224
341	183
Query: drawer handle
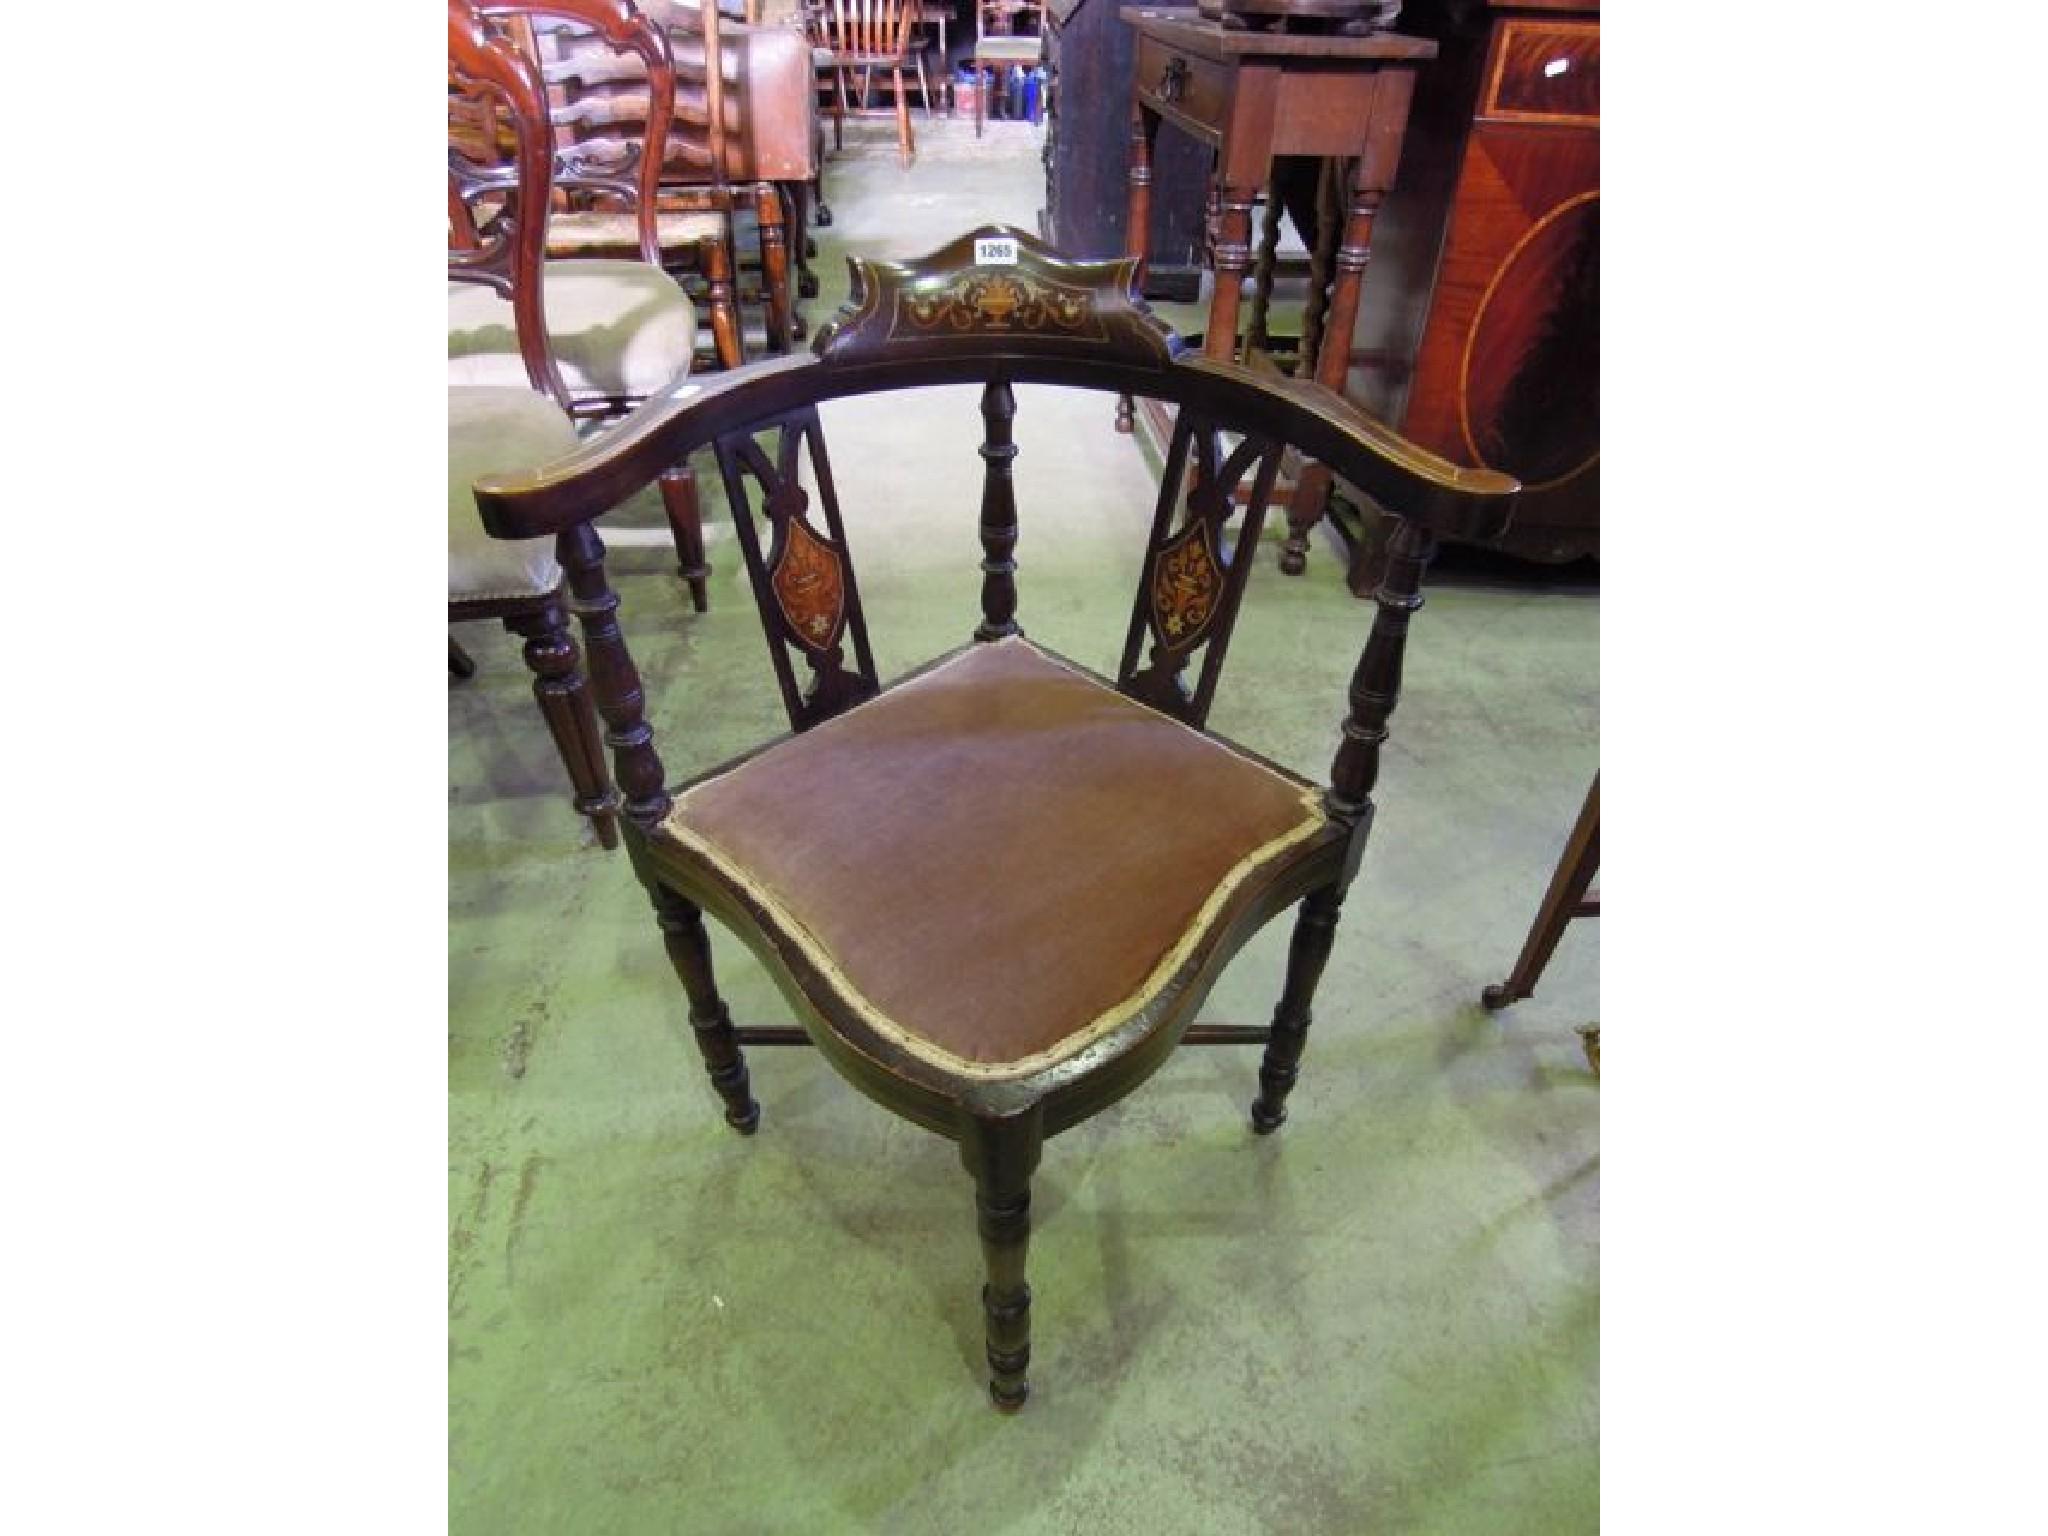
1173	80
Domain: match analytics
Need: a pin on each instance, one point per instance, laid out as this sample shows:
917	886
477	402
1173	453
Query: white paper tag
995	253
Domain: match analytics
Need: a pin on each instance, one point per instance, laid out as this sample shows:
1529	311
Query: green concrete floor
1384	1318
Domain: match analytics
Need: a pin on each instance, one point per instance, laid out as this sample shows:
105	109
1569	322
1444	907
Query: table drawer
1182	83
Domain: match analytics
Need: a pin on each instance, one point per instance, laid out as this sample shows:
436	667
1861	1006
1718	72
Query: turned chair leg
1001	1155
686	527
905	143
459	662
716	254
775	242
565	704
1314	931
839	110
689	951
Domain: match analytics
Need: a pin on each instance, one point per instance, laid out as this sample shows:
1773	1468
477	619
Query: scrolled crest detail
994	284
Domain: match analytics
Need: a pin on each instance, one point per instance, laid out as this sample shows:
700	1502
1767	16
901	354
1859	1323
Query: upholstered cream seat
618	329
597	232
498	431
999	861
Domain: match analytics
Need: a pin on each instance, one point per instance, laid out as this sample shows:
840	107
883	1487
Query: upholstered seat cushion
1001	860
618	328
601	232
498	431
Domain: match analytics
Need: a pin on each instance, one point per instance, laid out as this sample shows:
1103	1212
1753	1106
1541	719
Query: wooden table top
1185	28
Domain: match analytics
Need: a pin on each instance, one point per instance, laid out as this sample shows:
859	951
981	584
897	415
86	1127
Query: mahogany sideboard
1479	330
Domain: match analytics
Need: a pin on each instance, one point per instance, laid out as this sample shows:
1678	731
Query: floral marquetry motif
984	302
1187	580
810	587
994	283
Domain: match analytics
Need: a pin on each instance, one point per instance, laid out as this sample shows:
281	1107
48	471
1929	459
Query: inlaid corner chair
996	892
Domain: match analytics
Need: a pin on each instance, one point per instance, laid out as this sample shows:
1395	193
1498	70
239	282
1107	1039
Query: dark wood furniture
1256	96
500	428
1088	55
1006	36
1479	334
997	892
597	336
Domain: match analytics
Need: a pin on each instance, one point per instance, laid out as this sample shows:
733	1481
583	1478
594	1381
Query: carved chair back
504	246
600	96
997	308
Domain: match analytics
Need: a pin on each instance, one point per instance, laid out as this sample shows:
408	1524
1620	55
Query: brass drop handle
1173	80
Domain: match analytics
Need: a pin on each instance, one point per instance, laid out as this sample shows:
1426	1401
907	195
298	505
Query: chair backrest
506	249
601	38
874	27
997	308
600	96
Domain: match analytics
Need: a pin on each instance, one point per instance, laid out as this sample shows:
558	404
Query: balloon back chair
996	891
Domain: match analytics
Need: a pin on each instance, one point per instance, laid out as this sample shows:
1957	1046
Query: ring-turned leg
565	704
1001	1154
1314	931
686	527
689	951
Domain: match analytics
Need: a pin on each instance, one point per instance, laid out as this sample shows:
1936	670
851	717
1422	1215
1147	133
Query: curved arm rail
1035	318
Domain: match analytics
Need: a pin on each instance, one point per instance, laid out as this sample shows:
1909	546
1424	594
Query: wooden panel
1545	71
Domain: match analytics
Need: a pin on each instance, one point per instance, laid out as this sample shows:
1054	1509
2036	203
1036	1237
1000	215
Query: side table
1253	96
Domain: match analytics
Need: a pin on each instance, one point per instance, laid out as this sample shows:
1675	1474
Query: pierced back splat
803	584
1193	579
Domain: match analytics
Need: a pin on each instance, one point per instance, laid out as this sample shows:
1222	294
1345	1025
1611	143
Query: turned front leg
1315	930
1137	226
689	951
1001	1154
686	527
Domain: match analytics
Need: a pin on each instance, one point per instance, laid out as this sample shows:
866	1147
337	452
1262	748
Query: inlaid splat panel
802	573
1195	569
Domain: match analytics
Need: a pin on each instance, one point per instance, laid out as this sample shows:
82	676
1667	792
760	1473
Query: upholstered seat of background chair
492	430
602	232
1012	858
618	330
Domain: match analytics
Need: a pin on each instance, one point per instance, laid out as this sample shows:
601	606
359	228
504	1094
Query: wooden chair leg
839	110
725	314
459	662
802	247
689	951
565	704
1001	1155
904	142
924	85
1314	931
774	263
686	526
1564	900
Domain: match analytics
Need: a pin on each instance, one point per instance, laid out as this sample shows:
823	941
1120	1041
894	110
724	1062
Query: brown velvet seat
1006	866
